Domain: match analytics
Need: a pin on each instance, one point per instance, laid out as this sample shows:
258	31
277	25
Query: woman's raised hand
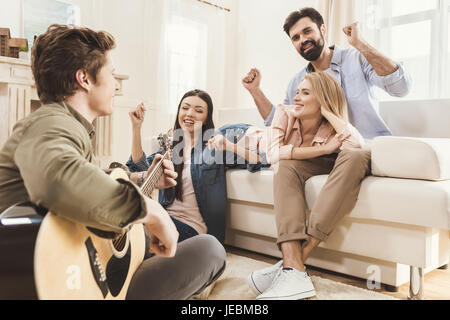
219	142
333	145
137	115
325	113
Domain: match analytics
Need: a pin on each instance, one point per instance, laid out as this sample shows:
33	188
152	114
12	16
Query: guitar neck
150	183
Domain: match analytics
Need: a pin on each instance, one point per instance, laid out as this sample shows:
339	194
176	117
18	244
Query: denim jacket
234	133
208	178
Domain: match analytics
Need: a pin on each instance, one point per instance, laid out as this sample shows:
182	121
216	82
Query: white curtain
337	15
414	32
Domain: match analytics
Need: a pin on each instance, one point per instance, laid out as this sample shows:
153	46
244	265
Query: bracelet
140	179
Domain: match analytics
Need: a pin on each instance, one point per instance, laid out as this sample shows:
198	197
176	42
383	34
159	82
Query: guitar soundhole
120	243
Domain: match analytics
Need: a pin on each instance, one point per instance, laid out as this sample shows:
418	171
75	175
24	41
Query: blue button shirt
358	79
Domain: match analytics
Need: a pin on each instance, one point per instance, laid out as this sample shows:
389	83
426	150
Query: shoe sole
299	296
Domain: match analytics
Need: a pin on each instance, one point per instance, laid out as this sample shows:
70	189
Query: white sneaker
289	284
260	280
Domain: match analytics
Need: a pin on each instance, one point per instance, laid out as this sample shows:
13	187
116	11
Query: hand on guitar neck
161	174
169	176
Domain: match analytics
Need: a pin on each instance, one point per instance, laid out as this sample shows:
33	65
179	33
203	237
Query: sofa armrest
411	158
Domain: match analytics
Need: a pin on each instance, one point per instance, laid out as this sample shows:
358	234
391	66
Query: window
187	44
415	32
39	15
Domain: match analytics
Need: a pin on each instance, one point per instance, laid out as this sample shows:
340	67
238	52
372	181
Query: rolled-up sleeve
276	149
351	138
397	84
57	176
142	165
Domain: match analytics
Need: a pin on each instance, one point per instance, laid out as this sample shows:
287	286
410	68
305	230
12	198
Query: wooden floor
437	282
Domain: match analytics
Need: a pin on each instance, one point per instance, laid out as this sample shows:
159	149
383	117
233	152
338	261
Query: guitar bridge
97	268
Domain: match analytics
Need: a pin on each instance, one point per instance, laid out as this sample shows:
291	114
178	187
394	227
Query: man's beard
314	53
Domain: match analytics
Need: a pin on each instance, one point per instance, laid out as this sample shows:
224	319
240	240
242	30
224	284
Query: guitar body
65	257
73	263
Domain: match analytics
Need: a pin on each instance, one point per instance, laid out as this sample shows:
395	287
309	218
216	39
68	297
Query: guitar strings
151	182
152	175
148	186
119	244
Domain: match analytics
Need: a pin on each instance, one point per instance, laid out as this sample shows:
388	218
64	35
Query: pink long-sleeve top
286	134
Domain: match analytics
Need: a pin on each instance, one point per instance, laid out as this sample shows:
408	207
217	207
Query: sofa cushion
413	202
252	187
411	158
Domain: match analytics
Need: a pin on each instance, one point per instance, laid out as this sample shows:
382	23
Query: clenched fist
253	80
353	34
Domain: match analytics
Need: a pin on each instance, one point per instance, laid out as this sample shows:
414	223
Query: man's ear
324	31
83	79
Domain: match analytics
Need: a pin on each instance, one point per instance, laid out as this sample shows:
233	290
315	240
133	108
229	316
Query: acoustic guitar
74	262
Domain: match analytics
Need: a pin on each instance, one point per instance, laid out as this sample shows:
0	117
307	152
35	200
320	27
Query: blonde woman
311	138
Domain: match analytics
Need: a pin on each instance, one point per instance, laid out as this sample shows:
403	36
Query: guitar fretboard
149	185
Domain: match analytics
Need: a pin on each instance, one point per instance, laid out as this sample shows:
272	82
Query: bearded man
358	69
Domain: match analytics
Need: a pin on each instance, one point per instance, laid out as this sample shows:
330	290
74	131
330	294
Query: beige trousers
336	199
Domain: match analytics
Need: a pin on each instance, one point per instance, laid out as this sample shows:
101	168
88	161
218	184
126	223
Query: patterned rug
232	285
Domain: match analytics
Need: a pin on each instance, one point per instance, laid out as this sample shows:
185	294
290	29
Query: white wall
10	17
134	24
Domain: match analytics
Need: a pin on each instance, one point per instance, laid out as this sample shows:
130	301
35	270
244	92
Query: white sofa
399	228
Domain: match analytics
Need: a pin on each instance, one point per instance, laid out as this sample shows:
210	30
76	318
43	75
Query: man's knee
209	249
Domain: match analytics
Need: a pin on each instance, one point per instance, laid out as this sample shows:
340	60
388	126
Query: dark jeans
184	230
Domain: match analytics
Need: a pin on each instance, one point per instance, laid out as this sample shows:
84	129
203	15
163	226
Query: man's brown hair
60	52
295	16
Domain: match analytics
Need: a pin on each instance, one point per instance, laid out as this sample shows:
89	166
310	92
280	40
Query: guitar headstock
165	143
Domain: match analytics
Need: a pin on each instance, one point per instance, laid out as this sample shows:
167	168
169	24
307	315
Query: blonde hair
329	93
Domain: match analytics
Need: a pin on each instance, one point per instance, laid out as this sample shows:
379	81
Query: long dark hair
209	124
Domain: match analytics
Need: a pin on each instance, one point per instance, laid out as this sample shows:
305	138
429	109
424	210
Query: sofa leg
390	288
416	284
444	267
